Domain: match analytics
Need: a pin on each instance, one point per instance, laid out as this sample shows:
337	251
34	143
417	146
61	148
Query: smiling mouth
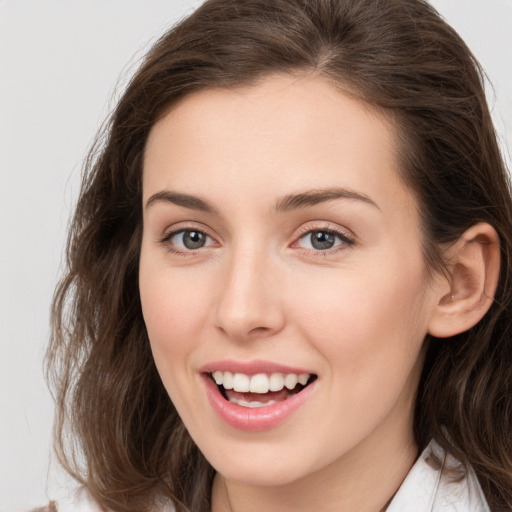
261	389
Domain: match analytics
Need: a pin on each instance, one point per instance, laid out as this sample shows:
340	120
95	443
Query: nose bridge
248	295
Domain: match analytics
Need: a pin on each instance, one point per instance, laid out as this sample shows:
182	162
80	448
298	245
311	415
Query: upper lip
251	367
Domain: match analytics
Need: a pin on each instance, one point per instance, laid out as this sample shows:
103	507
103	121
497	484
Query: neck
353	483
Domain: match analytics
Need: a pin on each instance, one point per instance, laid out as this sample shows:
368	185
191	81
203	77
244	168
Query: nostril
258	331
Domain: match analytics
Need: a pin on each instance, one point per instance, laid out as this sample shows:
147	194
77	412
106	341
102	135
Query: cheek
172	307
367	321
369	328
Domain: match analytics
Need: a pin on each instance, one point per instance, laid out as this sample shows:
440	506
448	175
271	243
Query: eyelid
171	230
327	226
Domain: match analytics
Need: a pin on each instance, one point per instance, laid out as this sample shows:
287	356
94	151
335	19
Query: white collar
430	489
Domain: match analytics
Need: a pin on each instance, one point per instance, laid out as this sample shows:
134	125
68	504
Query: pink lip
250	367
257	419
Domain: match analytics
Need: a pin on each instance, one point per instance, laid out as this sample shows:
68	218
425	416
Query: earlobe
472	281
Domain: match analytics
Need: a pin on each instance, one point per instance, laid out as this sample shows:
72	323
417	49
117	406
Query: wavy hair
116	429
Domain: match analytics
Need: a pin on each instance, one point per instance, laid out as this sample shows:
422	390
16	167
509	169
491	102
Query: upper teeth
259	383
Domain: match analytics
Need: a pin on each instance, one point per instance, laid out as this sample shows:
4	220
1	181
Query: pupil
193	239
322	240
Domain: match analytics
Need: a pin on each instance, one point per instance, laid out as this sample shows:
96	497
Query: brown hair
397	55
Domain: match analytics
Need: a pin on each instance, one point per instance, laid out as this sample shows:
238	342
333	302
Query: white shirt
425	489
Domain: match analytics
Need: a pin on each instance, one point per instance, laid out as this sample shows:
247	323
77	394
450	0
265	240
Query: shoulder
441	487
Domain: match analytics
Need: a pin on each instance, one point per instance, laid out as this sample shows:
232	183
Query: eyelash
346	240
166	240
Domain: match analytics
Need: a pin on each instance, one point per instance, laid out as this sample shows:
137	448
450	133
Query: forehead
283	133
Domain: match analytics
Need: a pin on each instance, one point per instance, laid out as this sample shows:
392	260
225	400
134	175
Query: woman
289	271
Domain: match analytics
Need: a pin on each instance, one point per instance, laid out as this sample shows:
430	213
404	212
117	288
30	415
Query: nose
249	304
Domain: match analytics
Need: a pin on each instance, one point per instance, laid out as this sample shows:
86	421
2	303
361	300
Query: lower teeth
251	405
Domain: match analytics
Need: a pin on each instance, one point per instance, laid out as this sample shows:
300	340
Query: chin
266	463
261	474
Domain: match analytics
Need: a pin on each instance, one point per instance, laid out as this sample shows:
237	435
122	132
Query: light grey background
60	62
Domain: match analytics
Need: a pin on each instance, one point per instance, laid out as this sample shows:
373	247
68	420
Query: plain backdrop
62	65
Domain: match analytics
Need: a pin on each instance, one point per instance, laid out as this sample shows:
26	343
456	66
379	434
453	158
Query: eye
322	240
187	240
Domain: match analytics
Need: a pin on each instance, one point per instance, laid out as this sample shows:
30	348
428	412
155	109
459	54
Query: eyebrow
185	200
284	204
317	196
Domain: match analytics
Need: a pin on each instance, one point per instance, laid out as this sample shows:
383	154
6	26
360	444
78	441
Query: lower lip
256	419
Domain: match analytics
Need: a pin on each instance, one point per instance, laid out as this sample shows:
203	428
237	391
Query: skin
356	315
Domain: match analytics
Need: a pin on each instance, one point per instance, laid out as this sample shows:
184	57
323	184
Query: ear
474	269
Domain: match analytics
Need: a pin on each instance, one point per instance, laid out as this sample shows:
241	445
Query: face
282	279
